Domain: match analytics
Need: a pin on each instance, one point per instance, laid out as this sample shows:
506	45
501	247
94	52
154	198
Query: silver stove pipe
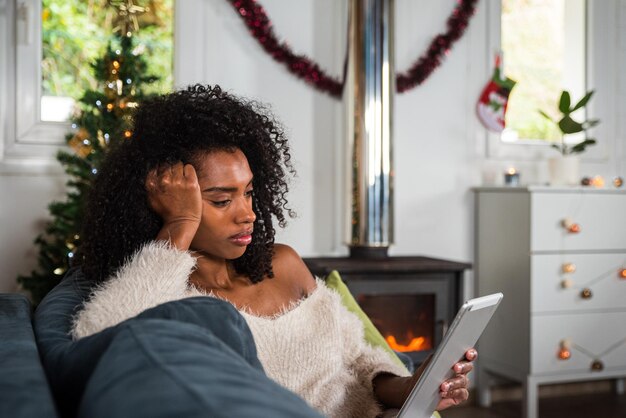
368	94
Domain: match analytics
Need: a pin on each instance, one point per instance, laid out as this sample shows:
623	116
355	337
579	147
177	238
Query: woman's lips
242	239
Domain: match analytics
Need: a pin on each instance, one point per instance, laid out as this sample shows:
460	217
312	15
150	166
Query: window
543	42
588	62
73	35
48	46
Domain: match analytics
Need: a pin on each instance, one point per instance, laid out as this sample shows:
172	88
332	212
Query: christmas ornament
301	66
126	20
570	226
439	47
597	366
568	268
564	352
597	181
491	106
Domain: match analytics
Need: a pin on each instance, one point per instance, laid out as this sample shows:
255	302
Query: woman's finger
162	169
471	354
151	179
457	382
189	172
177	172
463	367
456	396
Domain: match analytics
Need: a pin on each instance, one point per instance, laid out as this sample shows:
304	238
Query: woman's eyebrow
221	189
224	189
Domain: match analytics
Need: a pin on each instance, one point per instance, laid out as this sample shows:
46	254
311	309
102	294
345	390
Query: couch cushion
68	365
24	390
160	368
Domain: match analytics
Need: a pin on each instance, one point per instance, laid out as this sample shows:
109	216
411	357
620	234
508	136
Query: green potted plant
564	170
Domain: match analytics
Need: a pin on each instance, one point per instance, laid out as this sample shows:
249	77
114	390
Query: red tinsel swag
303	67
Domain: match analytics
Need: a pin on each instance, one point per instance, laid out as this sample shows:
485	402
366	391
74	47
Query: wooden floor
598	405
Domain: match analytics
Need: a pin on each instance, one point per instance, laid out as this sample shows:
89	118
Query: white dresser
559	257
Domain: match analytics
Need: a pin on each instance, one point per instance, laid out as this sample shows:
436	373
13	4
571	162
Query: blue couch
188	358
24	390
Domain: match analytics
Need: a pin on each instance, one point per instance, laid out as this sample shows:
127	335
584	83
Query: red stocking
491	106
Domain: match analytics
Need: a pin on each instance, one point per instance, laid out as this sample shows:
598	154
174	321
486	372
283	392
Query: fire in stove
415	344
405	320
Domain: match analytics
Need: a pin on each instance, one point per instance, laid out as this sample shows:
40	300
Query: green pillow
372	335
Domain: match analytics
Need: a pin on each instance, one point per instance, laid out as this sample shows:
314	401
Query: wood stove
411	300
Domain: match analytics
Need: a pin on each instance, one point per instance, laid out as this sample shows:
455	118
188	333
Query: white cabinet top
550	189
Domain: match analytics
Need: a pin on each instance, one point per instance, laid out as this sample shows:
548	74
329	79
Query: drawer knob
570	226
586	293
569	268
597	366
564	350
566	283
622	274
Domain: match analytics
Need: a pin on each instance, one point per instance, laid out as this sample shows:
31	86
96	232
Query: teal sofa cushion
24	391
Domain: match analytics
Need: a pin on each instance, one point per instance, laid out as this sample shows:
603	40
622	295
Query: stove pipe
368	94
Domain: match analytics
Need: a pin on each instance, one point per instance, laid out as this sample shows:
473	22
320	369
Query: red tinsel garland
261	28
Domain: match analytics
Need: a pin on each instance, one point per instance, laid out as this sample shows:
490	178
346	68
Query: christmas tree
101	121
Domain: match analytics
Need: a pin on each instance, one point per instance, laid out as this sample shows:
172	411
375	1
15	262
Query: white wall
24	198
440	149
439	145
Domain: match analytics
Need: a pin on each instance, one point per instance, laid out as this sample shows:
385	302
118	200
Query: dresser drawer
601	217
567	282
595	336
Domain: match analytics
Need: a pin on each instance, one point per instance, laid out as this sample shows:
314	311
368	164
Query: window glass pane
75	33
543	43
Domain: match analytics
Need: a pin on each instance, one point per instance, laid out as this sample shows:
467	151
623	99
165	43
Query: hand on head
174	194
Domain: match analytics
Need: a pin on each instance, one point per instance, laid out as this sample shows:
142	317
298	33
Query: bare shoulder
288	265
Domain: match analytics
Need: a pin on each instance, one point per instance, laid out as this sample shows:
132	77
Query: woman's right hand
174	194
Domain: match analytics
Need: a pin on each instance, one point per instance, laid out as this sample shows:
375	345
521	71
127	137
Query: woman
185	208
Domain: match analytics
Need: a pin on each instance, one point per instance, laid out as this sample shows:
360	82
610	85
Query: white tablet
462	335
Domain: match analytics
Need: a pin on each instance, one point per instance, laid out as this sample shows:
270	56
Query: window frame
600	41
25	140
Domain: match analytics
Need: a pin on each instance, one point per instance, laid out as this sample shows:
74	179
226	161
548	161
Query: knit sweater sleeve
155	274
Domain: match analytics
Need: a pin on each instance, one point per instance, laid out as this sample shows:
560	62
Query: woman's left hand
455	390
394	390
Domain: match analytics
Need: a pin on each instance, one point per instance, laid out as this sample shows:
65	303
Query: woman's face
225	182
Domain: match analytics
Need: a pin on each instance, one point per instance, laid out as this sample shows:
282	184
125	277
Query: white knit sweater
314	347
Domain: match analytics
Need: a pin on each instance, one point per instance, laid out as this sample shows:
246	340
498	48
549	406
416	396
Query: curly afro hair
179	127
